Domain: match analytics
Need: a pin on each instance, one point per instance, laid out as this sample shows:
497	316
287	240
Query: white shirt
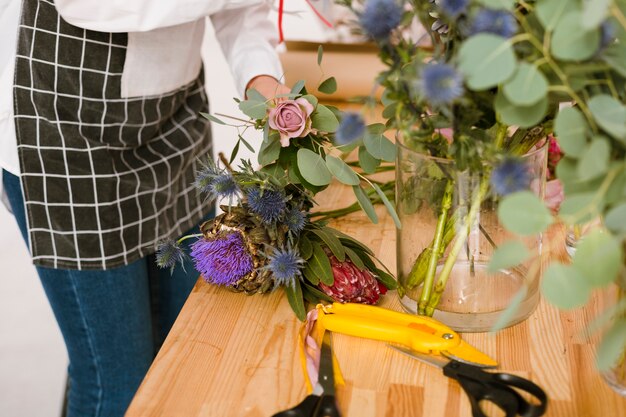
246	36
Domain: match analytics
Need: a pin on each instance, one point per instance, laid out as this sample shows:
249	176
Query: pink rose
291	118
554	195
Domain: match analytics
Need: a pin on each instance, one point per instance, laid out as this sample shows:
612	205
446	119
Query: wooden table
230	355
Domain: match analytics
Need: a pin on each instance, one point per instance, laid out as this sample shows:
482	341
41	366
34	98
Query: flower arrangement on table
499	76
267	238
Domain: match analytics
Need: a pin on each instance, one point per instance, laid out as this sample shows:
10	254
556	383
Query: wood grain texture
230	355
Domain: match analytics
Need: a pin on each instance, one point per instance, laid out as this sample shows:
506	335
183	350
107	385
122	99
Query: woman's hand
269	87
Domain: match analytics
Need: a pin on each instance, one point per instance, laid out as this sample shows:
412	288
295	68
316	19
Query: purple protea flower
441	83
295	220
380	17
510	176
268	204
498	22
453	8
169	254
286	265
351	127
222	259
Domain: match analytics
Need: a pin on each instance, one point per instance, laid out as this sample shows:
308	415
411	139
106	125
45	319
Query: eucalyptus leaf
579	208
615	219
571	128
323	119
612	346
297	87
390	207
522	116
328	86
312	167
379	146
486	60
254	95
615	56
320	54
527	86
296	301
524	213
311	99
365	203
598	258
610	115
341	171
332	242
269	152
507	255
571	42
367	162
564	287
550	12
212	118
594	13
595	160
254	109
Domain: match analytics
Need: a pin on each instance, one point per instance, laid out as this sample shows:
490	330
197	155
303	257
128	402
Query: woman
99	145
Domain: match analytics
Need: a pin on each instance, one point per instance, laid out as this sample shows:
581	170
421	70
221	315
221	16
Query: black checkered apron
105	178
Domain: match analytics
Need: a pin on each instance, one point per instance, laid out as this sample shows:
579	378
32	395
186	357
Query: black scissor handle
497	388
327	407
306	408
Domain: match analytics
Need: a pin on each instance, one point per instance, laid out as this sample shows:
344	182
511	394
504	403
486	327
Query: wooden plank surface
231	355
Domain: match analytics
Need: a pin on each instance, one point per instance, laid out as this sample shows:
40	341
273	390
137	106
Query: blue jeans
112	321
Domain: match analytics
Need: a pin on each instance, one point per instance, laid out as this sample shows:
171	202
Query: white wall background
32	355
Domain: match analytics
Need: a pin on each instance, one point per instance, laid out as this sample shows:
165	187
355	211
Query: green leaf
332	242
522	116
571	128
356	260
296	301
615	219
311	99
365	203
527	86
274	170
254	95
486	60
505	318
305	247
341	171
498	4
317	293
254	109
615	56
320	54
212	118
612	347
524	213
598	258
247	145
367	162
550	12
313	168
387	279
594	13
595	160
571	42
309	275
390	207
269	152
320	265
610	115
297	87
578	208
379	146
508	255
323	119
233	154
564	287
328	86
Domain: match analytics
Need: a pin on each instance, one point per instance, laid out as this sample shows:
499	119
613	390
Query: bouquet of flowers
265	238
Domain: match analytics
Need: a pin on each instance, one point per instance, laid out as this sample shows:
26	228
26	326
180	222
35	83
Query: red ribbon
281	8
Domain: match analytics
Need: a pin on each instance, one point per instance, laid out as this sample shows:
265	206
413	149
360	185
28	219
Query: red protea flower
352	285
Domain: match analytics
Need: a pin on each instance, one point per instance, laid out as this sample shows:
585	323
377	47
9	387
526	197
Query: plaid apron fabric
105	178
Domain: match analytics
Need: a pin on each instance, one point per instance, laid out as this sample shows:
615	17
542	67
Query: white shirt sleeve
248	40
140	15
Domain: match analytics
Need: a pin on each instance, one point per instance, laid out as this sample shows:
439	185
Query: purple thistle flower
223	259
441	83
295	220
269	205
169	254
224	186
453	8
286	266
498	22
351	127
510	176
380	17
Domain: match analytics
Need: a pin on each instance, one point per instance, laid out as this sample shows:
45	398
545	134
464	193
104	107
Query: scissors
433	342
321	403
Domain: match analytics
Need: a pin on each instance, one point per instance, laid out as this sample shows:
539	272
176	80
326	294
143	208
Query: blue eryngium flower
498	22
351	128
206	175
510	176
286	266
295	220
223	259
380	17
453	8
169	254
224	186
441	83
269	205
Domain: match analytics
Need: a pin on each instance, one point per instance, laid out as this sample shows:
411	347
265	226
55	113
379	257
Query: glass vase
450	229
616	376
